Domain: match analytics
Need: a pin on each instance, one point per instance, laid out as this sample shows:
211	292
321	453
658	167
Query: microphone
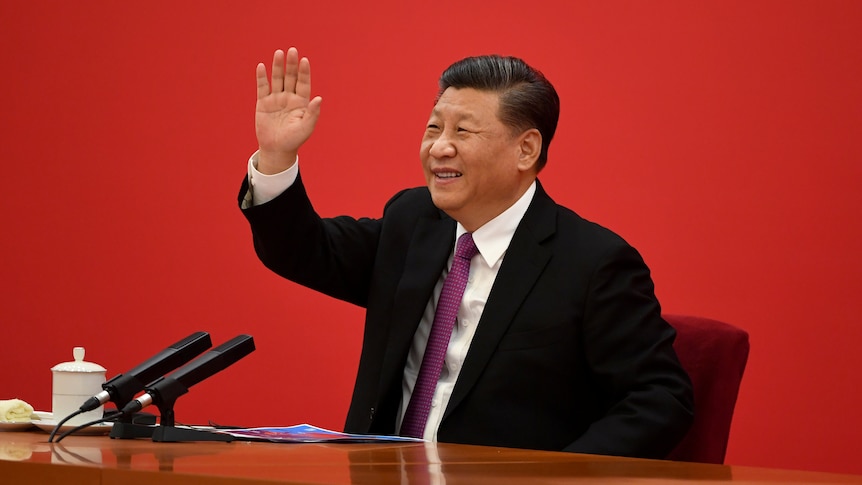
122	388
167	389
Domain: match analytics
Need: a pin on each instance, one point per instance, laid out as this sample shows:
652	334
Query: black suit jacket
571	352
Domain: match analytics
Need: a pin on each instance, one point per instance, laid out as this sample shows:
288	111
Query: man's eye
463	130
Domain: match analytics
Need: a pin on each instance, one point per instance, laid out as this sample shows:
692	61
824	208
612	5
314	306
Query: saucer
48	425
43	415
7	426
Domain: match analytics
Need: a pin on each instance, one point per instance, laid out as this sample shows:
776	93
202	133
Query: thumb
313	109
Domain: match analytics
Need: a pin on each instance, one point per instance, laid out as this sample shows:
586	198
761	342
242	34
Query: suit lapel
523	263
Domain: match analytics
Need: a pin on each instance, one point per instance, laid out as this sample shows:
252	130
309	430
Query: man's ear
530	146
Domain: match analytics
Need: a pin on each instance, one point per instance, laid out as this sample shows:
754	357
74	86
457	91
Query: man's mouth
448	175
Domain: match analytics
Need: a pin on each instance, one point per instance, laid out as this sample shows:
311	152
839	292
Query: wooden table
28	458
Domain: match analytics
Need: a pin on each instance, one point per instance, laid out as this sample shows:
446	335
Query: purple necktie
438	341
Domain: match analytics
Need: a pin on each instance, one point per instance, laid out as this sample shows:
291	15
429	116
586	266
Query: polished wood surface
28	458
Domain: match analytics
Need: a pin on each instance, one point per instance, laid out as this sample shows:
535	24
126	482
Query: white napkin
15	411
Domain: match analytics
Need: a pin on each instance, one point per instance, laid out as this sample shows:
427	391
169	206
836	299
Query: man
555	340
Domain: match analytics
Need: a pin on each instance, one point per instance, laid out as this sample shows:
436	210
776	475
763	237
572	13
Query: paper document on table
306	433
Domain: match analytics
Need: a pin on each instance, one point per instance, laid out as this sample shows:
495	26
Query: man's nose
442	147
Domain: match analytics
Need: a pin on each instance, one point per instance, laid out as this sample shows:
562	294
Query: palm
282	122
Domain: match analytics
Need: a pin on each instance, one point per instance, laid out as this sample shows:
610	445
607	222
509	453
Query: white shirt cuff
263	188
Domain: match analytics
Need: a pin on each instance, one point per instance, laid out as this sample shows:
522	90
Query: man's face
473	163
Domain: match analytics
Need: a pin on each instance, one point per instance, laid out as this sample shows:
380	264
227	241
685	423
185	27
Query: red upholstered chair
714	354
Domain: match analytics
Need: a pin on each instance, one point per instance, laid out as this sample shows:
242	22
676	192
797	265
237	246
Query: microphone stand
164	393
135	425
121	389
169	391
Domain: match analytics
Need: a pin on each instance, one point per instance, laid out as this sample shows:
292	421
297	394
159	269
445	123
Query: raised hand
285	115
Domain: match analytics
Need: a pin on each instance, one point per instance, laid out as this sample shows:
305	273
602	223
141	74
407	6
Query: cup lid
79	364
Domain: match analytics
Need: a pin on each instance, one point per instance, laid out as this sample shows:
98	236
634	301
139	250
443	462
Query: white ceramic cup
74	383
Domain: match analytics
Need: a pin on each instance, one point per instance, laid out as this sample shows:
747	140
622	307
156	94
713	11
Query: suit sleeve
629	351
334	256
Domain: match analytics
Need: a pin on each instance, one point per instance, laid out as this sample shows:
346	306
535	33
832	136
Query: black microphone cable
108	417
57	427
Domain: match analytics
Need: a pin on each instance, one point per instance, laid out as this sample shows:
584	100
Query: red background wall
720	138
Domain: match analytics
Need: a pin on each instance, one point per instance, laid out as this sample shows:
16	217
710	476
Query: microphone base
128	431
138	425
171	434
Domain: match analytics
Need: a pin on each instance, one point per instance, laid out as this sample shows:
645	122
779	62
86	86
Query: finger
303	79
290	70
278	71
262	81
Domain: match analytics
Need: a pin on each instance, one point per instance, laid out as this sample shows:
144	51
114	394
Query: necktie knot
466	248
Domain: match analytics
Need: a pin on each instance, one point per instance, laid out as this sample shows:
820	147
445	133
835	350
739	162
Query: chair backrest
714	354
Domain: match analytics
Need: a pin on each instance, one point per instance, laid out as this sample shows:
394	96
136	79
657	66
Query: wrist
270	163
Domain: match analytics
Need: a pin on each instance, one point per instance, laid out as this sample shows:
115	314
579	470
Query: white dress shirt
492	240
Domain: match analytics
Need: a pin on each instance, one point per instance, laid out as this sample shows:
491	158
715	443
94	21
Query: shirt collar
493	238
